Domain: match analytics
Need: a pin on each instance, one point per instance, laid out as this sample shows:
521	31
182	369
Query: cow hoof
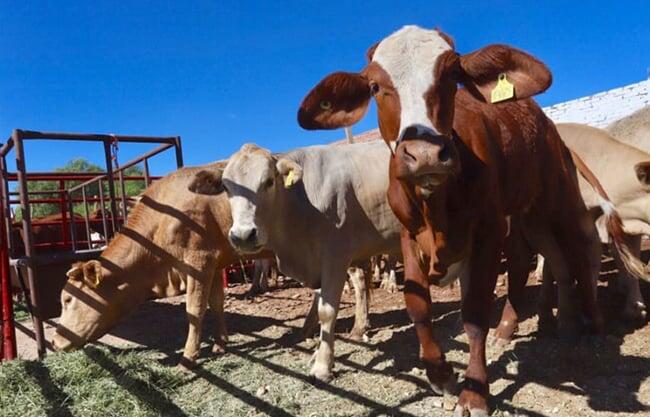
503	333
461	411
219	348
186	364
444	381
357	335
321	372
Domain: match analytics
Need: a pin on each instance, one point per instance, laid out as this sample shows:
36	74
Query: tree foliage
77	165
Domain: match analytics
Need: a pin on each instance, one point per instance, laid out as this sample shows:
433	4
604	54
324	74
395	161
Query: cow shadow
594	368
170	335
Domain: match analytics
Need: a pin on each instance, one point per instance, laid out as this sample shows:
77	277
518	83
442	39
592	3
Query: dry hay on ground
133	375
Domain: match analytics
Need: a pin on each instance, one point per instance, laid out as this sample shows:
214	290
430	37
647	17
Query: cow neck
126	253
451	207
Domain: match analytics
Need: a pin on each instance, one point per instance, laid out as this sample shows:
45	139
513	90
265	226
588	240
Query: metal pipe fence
32	253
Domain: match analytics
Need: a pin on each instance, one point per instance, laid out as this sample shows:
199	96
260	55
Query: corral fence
76	238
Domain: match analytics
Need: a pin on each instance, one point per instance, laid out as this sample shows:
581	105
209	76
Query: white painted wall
601	109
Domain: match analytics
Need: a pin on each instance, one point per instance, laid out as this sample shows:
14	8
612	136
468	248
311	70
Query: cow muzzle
62	344
426	161
245	240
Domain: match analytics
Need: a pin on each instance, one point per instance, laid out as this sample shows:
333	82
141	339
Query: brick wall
603	108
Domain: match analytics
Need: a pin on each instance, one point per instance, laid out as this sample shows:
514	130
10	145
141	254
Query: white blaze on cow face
409	57
250	181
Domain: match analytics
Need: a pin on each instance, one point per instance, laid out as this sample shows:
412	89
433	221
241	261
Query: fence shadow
58	401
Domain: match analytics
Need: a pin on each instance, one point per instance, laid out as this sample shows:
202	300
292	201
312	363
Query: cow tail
613	222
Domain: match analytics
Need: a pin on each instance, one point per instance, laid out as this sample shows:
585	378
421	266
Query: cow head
252	179
413	75
85	312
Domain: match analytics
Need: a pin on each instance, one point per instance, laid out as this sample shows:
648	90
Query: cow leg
259	284
518	256
358	278
418	305
539	269
634	308
389	281
198	294
551	241
311	320
328	307
376	270
220	332
547	323
479	281
582	249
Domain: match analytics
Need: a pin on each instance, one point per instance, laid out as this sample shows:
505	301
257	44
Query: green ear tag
504	90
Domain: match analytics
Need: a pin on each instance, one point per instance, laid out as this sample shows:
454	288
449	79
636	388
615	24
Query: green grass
93	382
20	310
101	382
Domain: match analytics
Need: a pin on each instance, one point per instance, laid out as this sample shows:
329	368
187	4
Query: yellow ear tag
504	90
289	180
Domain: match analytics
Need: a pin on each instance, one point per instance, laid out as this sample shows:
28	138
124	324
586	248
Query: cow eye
374	88
268	183
66	300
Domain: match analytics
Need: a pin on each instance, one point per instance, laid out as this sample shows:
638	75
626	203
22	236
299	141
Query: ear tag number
289	180
504	90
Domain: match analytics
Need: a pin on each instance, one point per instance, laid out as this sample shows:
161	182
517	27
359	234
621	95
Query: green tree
77	165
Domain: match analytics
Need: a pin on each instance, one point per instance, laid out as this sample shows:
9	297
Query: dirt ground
263	373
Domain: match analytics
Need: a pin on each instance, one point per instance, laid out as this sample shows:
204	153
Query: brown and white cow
463	170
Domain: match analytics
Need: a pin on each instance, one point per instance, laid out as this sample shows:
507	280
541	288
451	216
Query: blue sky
223	73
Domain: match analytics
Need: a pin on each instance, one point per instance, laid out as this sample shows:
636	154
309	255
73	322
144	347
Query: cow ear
339	100
207	182
482	70
76	272
92	272
290	172
642	170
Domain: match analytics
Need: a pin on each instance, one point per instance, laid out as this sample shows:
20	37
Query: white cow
319	209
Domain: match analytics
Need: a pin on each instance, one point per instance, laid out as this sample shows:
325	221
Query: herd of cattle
464	176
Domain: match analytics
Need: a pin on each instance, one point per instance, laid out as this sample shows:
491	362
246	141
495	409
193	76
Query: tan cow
173	241
624	172
633	130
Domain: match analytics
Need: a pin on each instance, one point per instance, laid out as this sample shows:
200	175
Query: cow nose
246	237
252	235
421	154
